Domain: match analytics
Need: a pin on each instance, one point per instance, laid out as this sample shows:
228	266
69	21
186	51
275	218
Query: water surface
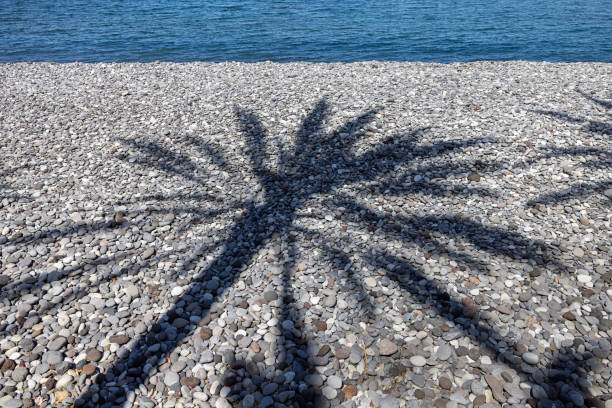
314	30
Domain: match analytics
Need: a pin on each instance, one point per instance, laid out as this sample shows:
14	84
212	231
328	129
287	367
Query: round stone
334	381
93	355
171	378
445	383
329	392
531	358
418	361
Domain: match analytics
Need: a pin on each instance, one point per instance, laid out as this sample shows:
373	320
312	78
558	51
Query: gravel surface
259	235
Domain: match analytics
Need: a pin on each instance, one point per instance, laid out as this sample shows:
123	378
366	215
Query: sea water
314	30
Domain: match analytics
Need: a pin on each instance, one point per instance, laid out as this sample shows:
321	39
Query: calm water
314	30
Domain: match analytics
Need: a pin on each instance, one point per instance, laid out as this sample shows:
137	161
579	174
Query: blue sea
314	30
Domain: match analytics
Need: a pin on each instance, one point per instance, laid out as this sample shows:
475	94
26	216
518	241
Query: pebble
531	358
171	378
418	361
387	348
404	234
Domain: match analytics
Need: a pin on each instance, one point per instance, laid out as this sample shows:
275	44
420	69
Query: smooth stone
171	378
387	348
57	343
53	357
444	352
531	358
222	403
418	361
329	393
334	381
389	402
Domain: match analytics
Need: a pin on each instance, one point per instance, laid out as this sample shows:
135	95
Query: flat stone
205	333
349	391
19	374
444	352
171	378
531	358
57	343
329	392
53	357
334	381
418	361
147	253
89	369
93	355
445	383
341	352
119	339
389	402
473	177
387	347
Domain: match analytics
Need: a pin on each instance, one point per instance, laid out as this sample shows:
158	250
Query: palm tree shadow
560	381
283	193
591	126
319	164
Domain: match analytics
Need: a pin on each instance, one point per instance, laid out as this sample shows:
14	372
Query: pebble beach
371	234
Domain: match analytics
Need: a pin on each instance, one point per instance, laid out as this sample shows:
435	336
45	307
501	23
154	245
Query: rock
119	339
12	403
89	369
329	393
270	296
57	343
418	361
349	391
538	392
389	402
61	395
444	352
222	403
132	291
53	357
145	402
171	378
93	355
207	357
315	380
330	301
371	282
569	316
387	347
177	291
64	381
149	252
445	383
206	333
473	177
7	365
342	352
19	374
323	350
531	358
334	381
